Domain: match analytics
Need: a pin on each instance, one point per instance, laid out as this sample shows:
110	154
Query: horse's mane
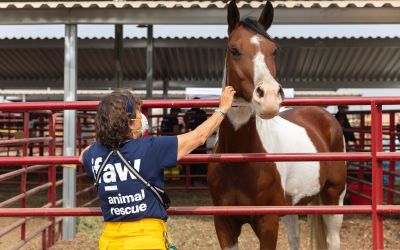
254	25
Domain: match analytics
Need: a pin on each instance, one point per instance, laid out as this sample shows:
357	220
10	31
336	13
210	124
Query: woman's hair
127	93
113	117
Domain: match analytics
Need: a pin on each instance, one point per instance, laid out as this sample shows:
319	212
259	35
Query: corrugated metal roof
196	4
195	12
301	63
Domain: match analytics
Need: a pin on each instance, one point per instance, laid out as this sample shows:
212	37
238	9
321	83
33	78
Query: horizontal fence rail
209	210
91	105
201	158
375	156
17	142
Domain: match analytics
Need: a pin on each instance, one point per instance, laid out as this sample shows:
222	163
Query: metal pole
165	88
149	70
69	148
377	183
165	93
149	62
390	195
24	175
118	47
52	178
361	170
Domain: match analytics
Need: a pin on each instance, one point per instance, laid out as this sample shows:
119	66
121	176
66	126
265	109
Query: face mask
145	124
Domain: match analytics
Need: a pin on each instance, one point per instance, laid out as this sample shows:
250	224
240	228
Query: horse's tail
317	229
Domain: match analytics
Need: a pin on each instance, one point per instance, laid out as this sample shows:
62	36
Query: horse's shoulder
316	121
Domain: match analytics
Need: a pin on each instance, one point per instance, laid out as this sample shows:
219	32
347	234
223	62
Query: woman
134	217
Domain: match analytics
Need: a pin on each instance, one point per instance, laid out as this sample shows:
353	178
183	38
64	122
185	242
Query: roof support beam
179	85
314	15
149	70
149	61
118	48
70	86
200	43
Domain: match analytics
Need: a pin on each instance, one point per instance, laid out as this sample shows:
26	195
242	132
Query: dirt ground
197	232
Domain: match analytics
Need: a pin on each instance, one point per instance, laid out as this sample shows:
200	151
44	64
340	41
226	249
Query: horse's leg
266	228
228	231
333	222
292	227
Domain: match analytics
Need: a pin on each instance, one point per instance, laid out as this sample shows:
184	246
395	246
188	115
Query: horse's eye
275	52
235	52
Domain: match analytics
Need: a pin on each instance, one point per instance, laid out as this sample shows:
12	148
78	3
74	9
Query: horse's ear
233	16
267	15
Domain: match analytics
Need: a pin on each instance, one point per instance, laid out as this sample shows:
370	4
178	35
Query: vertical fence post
79	167
361	143
392	129
79	133
44	246
52	192
9	132
377	187
24	174
40	126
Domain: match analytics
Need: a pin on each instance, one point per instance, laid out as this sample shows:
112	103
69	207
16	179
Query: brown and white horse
255	124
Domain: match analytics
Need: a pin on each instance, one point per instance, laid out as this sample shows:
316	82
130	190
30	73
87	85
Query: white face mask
145	124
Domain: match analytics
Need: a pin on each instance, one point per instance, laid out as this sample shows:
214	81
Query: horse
257	123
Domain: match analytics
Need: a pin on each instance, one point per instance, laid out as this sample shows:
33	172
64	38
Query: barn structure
164	65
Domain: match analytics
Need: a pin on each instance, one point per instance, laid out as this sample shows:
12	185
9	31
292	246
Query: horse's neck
244	139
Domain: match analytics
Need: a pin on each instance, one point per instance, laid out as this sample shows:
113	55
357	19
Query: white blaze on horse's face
266	97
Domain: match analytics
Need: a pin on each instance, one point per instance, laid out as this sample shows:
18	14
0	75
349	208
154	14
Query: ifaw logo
113	171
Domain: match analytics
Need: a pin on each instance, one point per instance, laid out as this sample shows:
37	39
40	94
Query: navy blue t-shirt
122	196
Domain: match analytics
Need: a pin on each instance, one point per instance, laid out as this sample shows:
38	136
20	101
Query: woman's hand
189	141
226	99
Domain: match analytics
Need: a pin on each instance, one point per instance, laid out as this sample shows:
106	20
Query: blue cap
129	105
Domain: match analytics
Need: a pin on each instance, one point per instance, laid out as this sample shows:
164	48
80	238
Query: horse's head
250	61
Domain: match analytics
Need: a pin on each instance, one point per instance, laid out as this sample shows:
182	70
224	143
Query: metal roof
195	12
58	94
301	63
197	4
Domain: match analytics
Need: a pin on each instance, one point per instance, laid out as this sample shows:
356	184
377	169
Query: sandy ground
197	232
11	239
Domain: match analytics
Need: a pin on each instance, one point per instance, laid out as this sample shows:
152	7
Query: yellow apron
142	234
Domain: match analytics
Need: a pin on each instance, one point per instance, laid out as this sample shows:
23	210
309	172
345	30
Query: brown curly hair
128	93
113	119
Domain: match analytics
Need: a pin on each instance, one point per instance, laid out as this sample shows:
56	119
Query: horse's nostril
260	91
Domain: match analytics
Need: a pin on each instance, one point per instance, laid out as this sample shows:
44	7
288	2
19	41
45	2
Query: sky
276	31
